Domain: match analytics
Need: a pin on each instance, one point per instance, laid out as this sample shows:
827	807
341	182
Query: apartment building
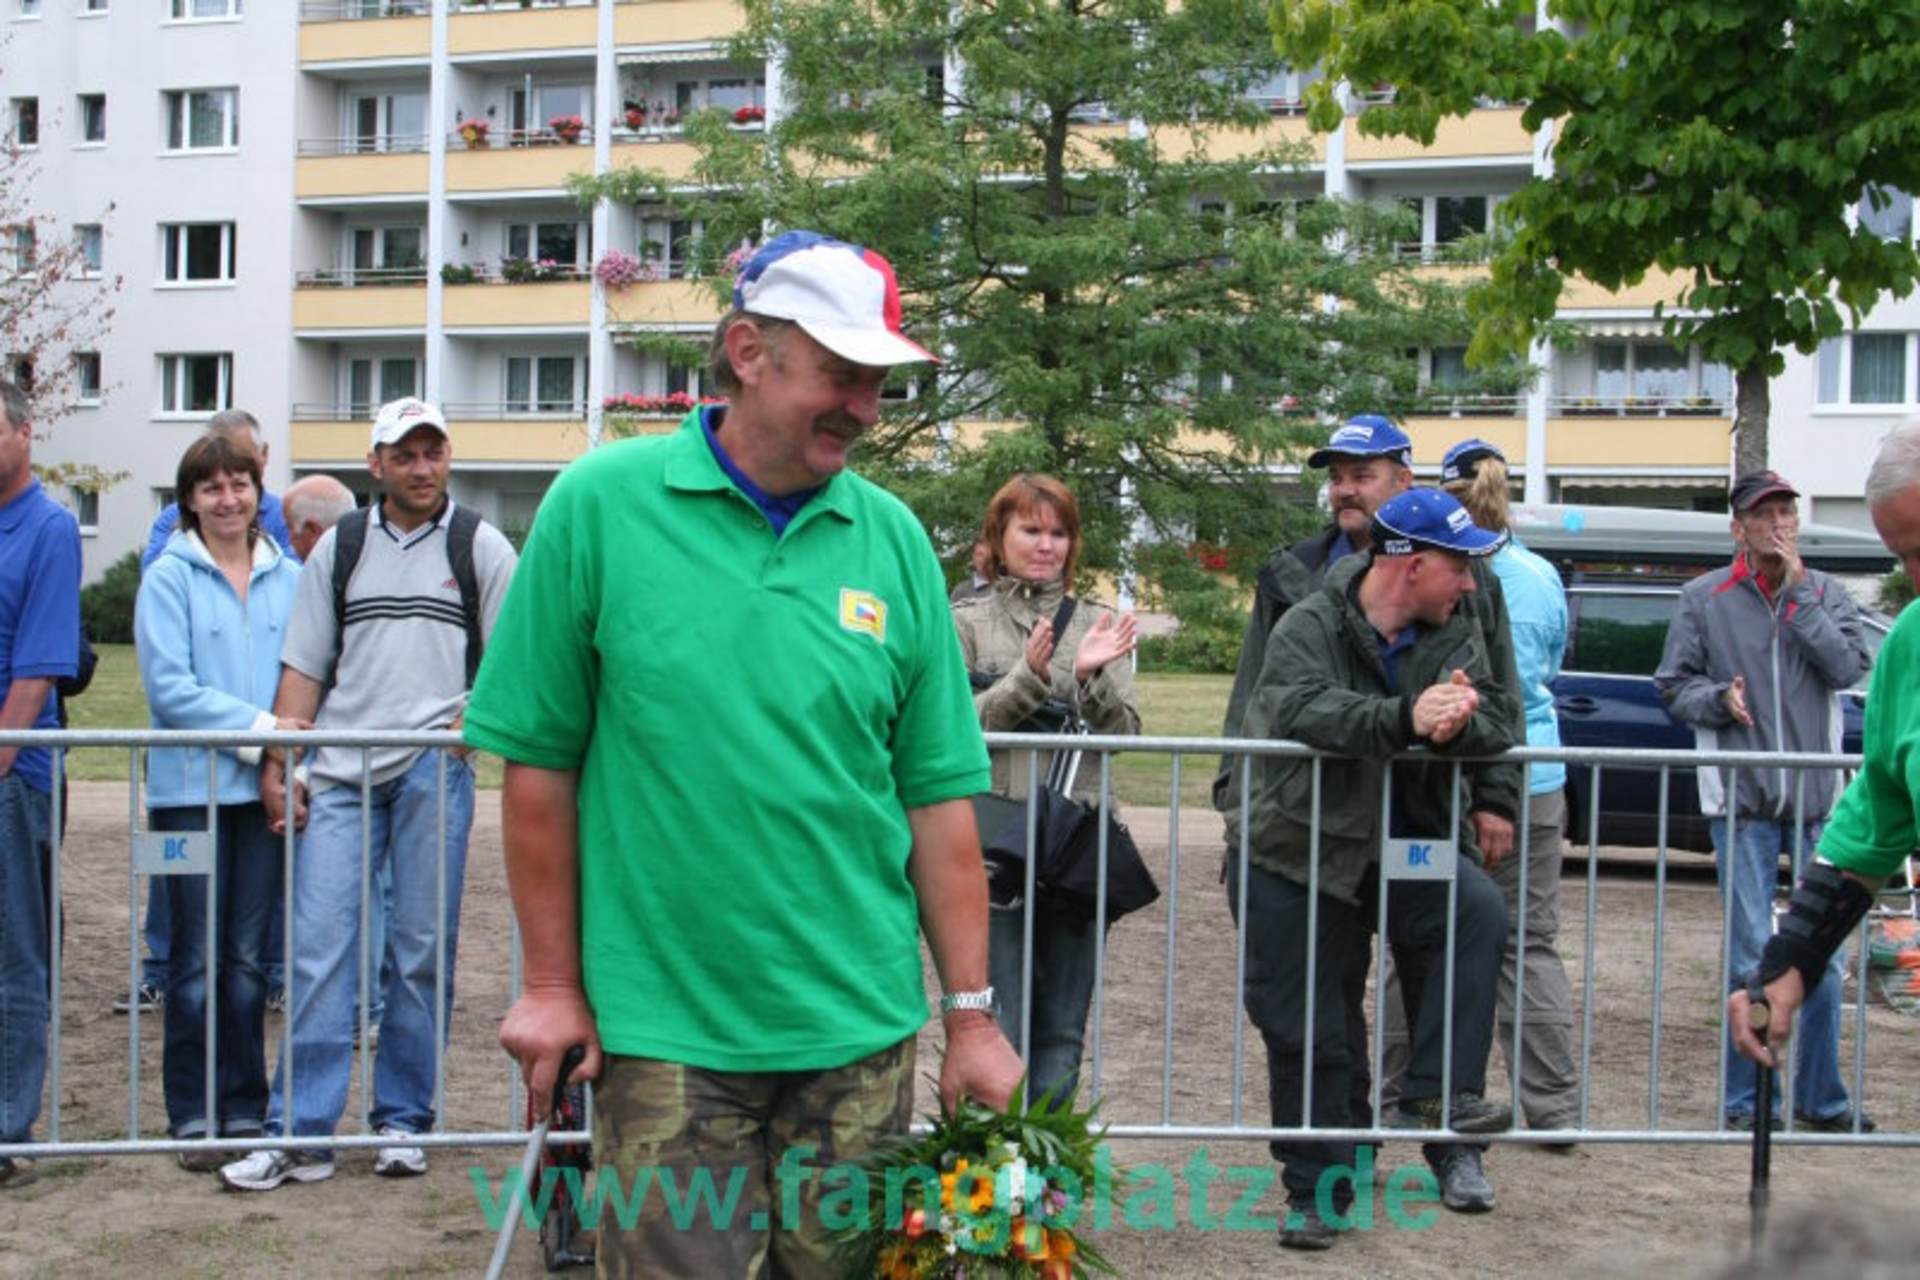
157	131
400	194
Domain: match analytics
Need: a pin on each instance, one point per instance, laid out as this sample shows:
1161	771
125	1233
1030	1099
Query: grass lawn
1169	704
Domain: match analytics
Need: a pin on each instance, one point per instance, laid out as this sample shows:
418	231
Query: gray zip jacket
1797	652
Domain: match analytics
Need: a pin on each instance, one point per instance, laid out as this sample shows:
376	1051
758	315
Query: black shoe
1842	1123
149	997
1742	1122
1306	1230
1470	1113
16	1171
1463	1182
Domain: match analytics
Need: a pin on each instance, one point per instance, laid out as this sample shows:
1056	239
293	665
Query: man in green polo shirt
741	746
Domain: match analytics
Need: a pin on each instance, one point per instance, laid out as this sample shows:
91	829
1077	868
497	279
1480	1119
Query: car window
1619	634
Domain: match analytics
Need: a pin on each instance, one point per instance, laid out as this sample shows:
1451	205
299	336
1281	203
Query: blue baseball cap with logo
1464	459
1365	435
1430	520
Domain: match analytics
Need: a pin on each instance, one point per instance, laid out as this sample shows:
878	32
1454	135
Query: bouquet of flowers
749	115
636	116
618	270
985	1194
567	128
474	133
675	402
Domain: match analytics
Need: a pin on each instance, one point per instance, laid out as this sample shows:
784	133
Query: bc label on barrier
1419	859
173	853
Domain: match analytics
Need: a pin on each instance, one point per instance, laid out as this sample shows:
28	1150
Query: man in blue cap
1383	658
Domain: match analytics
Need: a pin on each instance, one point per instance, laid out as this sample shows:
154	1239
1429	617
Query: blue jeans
326	947
1818	1090
1063	957
24	815
247	875
153	970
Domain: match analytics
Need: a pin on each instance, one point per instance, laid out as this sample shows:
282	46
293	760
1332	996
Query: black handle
1579	706
569	1062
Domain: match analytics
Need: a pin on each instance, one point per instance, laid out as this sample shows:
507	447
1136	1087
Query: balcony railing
509	138
348	10
1696	406
507	6
512	271
505	411
1445	404
385	144
358	277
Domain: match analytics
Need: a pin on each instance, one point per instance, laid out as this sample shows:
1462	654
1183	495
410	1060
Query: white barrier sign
1420	859
173	853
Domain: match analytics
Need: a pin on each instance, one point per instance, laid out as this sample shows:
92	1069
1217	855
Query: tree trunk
1752	402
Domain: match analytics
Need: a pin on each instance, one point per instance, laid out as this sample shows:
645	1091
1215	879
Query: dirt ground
1608	1209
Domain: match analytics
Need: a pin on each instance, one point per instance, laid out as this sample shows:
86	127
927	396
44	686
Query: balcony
664	304
1433	435
335	435
1637	432
365	299
538	304
360	166
532	159
1657	286
351	30
1286	130
1488	133
642	22
508	26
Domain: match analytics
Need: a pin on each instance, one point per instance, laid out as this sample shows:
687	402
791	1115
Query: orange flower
1057	1269
897	1264
1061	1244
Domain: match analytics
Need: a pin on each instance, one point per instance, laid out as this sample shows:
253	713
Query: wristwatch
954	1001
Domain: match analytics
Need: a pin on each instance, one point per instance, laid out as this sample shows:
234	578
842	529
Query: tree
53	307
1093	226
1722	140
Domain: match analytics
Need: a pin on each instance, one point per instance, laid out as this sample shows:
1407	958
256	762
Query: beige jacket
993	635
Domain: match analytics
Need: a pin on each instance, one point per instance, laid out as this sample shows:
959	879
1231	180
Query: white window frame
86	510
229	265
582	233
16	116
82	394
376	374
1845	406
182	11
179	112
532	405
383	138
28	10
381	249
176	362
90	238
84	99
22	248
94	8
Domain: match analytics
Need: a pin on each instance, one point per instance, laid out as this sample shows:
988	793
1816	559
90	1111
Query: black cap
1755	485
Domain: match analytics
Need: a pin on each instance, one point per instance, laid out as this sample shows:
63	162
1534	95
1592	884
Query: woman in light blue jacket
1476	473
208	624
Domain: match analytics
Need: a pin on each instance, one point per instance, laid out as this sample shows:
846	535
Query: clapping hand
1106	641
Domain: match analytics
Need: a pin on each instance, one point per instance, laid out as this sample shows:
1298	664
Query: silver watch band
954	1001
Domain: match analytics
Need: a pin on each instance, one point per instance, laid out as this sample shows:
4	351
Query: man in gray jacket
1754	659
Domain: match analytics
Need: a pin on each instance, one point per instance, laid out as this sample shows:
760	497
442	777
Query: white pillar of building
438	76
606	86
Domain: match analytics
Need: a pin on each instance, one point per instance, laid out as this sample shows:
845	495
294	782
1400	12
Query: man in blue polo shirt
39	643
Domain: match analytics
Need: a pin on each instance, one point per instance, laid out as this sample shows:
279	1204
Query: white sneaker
265	1170
399	1161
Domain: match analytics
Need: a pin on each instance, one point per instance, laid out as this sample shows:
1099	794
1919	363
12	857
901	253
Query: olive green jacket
1323	684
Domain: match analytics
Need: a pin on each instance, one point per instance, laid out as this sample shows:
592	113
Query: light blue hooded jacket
210	662
1537	610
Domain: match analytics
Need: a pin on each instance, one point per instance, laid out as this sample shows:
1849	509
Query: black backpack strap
1062	616
460	535
349	540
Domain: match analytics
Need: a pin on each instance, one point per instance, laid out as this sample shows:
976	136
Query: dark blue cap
1464	459
1365	435
1430	520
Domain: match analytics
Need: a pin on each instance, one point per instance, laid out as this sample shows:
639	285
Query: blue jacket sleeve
163	526
273	520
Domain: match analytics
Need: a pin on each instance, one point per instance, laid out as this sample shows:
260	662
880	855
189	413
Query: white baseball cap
398	417
844	297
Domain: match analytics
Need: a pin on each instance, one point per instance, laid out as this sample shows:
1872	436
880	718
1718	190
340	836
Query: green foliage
1163	312
1896	592
106	605
1722	140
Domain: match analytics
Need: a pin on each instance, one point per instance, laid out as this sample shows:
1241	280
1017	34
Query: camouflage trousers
728	1162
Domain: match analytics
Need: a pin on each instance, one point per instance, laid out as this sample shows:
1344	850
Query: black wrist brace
1825	907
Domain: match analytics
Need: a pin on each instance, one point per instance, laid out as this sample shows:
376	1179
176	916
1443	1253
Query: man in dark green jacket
1385	658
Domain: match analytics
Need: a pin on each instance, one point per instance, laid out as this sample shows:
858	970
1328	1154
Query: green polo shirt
752	718
1874	827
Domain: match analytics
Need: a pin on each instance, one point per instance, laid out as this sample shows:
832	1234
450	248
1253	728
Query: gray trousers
1549	1082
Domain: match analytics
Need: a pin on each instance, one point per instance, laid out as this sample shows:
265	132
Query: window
26	122
23	248
563	242
197	252
27	8
729	93
93	117
670	244
1457	216
1893	220
549	100
203	119
86	510
541	384
205	10
86	377
397	252
1619	634
96	6
91	242
389	122
1449	368
196	384
20	371
1641	371
372	381
1865	369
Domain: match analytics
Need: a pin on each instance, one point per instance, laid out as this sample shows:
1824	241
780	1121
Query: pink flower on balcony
567	128
749	115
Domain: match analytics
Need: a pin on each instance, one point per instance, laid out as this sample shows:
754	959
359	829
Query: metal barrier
1165	1125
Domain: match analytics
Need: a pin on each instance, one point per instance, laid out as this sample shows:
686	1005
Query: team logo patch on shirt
863	611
